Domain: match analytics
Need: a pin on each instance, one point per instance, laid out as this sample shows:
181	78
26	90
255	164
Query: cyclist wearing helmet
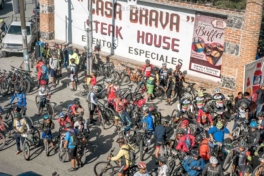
204	147
218	132
219	99
46	128
199	100
243	155
163	74
184	124
124	156
74	107
186	142
21	100
241	112
213	168
160	136
253	136
204	117
247	171
185	103
80	125
194	165
111	90
63	119
124	118
142	169
163	170
43	94
93	102
148	119
147	68
170	87
19	126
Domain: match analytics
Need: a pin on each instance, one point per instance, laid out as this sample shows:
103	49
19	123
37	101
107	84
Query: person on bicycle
142	169
46	128
163	74
63	119
160	135
185	103
93	103
147	118
20	126
194	165
70	144
163	170
147	68
124	156
186	142
44	94
253	136
213	168
204	117
73	72
21	100
170	86
204	147
219	99
74	107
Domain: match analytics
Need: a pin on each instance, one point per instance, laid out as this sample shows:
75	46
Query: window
16	30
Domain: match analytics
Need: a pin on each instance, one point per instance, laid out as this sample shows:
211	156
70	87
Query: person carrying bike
241	112
186	142
170	86
73	72
213	168
44	94
219	99
20	126
72	108
194	165
185	103
160	135
46	128
21	100
253	136
147	68
142	169
163	74
163	170
70	144
93	103
204	117
204	147
124	156
63	119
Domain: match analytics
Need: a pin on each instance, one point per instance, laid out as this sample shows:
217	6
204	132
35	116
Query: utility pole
36	19
24	33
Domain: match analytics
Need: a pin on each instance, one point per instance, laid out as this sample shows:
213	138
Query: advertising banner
207	45
253	77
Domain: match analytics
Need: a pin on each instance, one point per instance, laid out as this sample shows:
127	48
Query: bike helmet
163	159
142	165
198	138
145	109
195	153
200	94
147	61
61	115
120	140
219	125
68	125
184	123
253	124
187	95
46	116
243	144
216	90
42	82
243	105
77	102
178	66
17	115
80	118
164	64
213	160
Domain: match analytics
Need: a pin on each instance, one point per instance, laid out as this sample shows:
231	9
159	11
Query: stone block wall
46	19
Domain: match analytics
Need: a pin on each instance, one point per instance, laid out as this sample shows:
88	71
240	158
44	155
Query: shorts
44	135
92	108
72	153
116	116
53	73
159	144
42	102
123	170
150	88
169	92
72	77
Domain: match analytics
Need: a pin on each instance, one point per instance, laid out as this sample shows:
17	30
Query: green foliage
230	4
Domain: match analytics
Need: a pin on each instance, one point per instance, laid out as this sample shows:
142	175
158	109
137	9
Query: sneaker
72	169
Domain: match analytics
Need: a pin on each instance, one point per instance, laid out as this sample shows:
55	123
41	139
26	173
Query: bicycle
34	139
5	133
46	141
47	106
259	170
105	116
106	168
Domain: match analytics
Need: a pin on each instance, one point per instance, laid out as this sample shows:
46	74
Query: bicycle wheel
125	80
9	116
236	132
258	171
4	87
26	150
35	137
80	151
171	166
46	145
29	121
103	168
109	120
228	161
37	100
116	75
141	150
50	110
25	86
102	119
159	92
63	155
2	140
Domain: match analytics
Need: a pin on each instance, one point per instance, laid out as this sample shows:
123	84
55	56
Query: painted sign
207	45
253	77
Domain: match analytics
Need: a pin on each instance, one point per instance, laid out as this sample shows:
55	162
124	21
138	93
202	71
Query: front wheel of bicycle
75	85
159	92
228	161
259	171
36	137
63	155
50	110
26	150
2	140
141	150
46	145
103	168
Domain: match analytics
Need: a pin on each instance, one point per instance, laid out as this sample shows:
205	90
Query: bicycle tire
37	101
102	120
159	93
228	161
257	171
10	116
235	133
26	150
109	118
4	87
36	137
141	150
100	172
171	166
62	154
2	140
25	86
50	110
29	121
46	145
125	80
116	75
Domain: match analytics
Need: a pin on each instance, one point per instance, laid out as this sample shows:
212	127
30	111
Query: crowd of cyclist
196	144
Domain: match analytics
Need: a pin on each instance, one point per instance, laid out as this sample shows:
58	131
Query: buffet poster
207	45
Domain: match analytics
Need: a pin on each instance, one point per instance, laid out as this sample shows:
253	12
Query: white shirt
163	171
20	125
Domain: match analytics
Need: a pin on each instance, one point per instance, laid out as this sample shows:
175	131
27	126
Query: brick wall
46	19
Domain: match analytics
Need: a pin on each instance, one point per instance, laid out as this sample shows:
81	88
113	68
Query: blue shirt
190	162
149	121
21	99
160	133
218	135
69	138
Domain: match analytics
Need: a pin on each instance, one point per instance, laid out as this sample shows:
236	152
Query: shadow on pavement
36	153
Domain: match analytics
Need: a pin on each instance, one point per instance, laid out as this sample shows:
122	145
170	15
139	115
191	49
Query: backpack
74	138
69	108
132	152
151	81
187	141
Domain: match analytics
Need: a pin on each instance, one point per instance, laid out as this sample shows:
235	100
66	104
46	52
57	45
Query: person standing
39	65
260	99
65	55
54	66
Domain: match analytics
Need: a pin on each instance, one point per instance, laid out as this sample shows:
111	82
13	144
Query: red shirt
111	92
93	81
204	119
62	123
146	70
74	108
181	144
38	66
